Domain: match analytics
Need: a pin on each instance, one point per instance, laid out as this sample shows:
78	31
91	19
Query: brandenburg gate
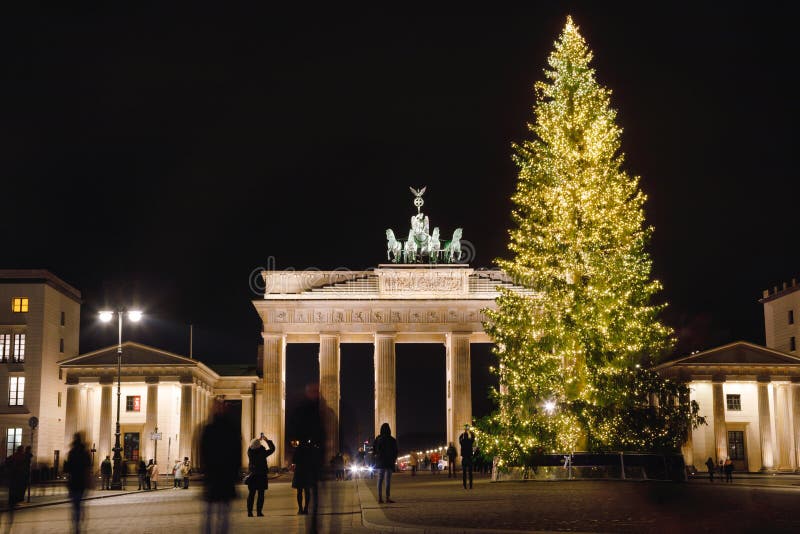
414	299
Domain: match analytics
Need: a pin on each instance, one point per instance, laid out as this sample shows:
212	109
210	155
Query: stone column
71	418
329	360
688	446
186	429
459	384
275	392
795	392
765	424
385	385
720	428
151	418
784	436
105	441
247	426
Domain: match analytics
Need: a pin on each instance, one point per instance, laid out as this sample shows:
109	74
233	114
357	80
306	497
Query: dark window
736	444
60	373
61	345
734	402
63	318
133	403
792	344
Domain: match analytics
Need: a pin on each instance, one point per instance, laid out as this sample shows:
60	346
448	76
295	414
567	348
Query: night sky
157	159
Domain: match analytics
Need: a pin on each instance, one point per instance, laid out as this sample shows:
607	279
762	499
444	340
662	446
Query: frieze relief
378	316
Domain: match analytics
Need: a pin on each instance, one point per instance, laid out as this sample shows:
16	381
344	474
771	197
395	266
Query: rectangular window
60	373
13	440
791	316
61	345
19	348
5	347
63	318
734	403
133	403
59	399
792	344
16	391
19	305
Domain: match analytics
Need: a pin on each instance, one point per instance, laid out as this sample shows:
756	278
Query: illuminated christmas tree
572	349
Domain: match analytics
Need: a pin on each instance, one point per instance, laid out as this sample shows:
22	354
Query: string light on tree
578	242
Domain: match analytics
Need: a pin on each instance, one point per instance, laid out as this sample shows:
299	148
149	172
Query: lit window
16	391
13	440
19	348
5	347
734	403
19	305
133	403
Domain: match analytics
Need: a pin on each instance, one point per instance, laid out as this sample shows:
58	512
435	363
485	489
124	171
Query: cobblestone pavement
436	504
426	502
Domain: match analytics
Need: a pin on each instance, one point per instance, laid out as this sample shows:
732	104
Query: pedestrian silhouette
385	450
710	466
257	471
77	468
467	441
220	454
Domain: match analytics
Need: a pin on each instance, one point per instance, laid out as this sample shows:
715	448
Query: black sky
159	158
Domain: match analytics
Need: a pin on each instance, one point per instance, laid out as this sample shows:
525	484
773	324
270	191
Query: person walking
78	469
141	473
413	461
435	457
177	474
710	466
451	460
153	471
220	457
385	449
257	471
186	470
17	477
303	479
467	441
105	473
728	470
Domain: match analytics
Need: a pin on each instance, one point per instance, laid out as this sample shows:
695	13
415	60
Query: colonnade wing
389	305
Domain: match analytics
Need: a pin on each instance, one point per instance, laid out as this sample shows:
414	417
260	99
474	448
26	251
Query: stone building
749	394
39	325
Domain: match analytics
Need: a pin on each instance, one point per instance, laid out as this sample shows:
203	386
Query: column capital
718	378
151	380
106	380
72	380
273	335
763	379
335	335
187	380
796	380
392	335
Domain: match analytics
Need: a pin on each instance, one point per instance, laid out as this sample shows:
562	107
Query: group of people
470	458
18	467
724	468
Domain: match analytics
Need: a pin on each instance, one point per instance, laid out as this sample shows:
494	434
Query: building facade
749	394
39	325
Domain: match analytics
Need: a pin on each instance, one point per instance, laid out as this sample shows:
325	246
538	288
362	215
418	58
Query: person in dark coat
467	441
17	477
77	468
451	460
710	466
306	426
305	474
728	466
220	457
385	451
105	473
141	473
257	480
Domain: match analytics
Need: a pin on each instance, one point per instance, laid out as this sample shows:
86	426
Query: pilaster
720	428
459	384
765	424
275	392
329	365
385	382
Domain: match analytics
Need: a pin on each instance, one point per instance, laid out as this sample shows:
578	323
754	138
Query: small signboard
155	435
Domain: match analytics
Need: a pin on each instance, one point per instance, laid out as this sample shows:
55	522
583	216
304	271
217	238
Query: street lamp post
106	316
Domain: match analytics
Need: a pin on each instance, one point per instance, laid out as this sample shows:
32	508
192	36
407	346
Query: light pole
106	316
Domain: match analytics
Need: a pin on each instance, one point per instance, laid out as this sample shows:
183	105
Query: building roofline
687	359
28	276
779	292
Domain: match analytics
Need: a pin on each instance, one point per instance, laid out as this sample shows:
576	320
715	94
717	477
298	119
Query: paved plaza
428	503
